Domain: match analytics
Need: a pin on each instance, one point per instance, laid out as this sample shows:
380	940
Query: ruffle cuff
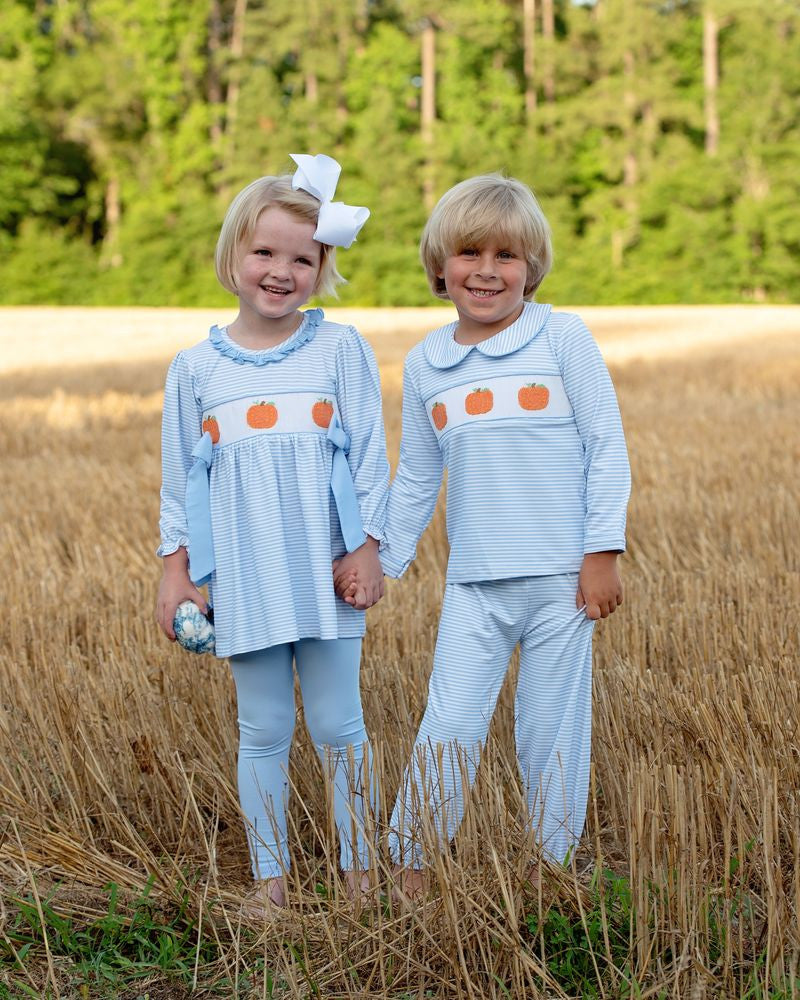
170	545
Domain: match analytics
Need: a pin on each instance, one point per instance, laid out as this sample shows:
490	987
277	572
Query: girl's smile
278	270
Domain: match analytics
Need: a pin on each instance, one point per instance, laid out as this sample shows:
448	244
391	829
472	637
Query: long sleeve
359	397
180	432
591	393
415	488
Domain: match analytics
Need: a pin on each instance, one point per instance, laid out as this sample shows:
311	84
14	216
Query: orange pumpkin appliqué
322	412
479	401
211	426
262	415
439	414
533	396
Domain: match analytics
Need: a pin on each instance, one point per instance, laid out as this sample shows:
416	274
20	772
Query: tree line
659	135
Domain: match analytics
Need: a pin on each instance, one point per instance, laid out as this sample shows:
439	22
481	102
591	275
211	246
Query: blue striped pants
481	624
328	670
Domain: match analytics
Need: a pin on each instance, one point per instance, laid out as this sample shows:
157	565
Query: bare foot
360	885
264	900
410	884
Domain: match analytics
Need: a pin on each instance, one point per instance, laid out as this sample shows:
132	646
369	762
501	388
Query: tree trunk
428	116
711	78
234	80
549	35
621	239
529	56
113	211
214	84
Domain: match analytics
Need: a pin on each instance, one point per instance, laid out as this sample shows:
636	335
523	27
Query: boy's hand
175	588
358	576
599	585
345	583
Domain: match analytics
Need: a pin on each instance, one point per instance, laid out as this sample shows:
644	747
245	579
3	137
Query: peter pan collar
442	351
243	356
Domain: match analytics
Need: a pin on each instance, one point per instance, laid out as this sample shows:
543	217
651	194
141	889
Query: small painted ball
194	630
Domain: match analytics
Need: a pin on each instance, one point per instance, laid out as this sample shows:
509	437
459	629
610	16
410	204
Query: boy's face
486	284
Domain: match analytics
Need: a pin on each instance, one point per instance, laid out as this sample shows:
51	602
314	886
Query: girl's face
486	284
278	267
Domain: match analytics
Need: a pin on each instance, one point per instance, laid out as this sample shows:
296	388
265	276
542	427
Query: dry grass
117	750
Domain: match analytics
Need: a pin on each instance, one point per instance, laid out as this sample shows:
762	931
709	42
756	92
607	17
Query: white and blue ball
193	630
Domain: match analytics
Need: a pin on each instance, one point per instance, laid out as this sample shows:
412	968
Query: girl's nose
279	267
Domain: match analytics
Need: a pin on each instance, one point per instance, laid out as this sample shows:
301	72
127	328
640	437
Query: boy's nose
485	265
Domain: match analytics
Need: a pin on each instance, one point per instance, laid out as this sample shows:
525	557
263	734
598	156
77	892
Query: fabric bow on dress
338	224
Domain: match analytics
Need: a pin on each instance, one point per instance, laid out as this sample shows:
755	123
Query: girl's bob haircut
242	216
482	209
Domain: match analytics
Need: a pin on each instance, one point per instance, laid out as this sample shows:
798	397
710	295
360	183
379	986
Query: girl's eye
305	260
264	252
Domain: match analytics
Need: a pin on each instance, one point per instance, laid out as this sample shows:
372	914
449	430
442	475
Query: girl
515	400
274	463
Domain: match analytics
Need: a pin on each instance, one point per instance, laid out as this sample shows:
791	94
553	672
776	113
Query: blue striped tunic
527	425
275	526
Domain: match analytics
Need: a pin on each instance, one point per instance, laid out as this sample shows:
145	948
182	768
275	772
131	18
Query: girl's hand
358	576
599	585
175	588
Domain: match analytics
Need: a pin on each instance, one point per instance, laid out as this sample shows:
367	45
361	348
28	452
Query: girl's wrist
176	563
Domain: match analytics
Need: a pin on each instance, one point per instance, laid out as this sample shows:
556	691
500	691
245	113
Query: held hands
358	576
176	587
599	585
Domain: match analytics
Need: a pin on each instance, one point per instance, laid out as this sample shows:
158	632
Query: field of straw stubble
122	857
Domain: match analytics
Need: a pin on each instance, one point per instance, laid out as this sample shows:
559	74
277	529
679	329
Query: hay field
117	750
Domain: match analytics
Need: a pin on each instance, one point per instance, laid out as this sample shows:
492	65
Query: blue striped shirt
527	425
275	526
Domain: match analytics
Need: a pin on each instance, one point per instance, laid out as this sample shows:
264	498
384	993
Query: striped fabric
531	490
480	626
274	524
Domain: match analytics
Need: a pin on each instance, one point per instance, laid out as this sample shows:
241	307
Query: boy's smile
486	285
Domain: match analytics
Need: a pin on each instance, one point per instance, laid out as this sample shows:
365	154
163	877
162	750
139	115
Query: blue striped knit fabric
274	523
480	626
528	493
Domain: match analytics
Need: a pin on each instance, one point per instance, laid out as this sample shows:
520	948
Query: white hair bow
338	224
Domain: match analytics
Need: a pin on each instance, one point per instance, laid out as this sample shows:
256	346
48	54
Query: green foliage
127	126
130	942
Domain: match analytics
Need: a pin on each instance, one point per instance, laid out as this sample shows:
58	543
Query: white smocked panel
273	413
531	395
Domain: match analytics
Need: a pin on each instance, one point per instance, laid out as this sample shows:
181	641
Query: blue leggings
329	671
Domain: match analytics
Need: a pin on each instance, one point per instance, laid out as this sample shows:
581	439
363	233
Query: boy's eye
506	255
469	252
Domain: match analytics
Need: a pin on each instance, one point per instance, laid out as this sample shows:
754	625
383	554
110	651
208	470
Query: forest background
660	137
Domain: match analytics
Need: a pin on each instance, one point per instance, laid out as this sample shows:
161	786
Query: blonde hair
242	216
488	207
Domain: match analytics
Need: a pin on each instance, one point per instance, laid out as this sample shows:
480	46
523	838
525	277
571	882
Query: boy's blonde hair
242	216
488	207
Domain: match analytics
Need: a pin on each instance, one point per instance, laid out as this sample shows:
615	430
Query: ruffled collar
442	351
244	356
